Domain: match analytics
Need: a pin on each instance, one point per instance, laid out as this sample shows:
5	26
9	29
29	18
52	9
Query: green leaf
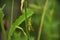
19	21
22	30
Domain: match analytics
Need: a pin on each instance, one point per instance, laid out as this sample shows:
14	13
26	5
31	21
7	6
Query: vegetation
40	20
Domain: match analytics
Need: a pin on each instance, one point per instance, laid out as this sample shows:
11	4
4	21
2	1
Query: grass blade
42	20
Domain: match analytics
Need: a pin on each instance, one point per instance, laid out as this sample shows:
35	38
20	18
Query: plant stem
2	24
3	30
42	20
11	19
26	20
12	12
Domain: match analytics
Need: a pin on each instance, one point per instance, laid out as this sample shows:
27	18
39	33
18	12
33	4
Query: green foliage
18	22
42	13
50	26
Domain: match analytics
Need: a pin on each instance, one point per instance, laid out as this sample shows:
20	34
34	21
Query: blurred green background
43	21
